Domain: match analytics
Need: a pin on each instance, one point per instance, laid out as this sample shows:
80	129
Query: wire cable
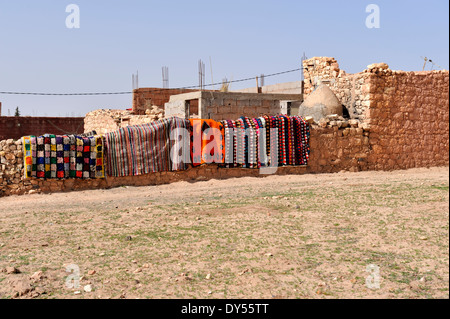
121	93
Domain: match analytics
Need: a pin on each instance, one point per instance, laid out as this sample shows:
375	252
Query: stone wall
17	126
339	146
333	149
349	88
407	112
409	119
11	168
399	120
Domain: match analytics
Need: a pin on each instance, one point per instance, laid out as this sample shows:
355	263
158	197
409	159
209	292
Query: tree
17	112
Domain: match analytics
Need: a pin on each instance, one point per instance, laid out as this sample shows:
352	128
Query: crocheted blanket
63	156
269	140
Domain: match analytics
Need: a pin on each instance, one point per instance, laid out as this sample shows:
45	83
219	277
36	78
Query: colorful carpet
63	156
142	149
207	142
270	140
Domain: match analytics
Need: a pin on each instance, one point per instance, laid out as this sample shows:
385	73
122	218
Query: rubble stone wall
409	119
349	88
333	149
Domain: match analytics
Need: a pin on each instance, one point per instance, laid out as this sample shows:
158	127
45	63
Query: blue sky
243	38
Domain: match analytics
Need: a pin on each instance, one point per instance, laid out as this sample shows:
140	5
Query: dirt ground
345	235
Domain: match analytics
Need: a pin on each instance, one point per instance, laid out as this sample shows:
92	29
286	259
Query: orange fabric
204	149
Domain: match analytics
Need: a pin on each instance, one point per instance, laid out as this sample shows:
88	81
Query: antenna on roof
210	65
424	63
302	75
165	77
432	64
135	81
225	85
201	74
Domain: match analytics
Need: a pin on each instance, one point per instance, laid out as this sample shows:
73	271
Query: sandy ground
345	235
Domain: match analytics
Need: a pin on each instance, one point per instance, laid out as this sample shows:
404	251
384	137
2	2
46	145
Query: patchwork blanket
146	148
63	156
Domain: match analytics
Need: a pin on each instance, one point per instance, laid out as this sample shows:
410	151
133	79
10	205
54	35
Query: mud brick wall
16	127
409	119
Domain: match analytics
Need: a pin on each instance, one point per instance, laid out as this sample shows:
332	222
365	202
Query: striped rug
142	149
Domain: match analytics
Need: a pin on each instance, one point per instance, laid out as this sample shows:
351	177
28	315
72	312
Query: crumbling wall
104	121
349	88
407	112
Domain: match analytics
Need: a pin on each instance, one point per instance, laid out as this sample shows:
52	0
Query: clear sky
245	38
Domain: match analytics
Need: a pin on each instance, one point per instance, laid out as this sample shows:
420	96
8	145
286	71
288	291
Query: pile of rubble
104	121
155	113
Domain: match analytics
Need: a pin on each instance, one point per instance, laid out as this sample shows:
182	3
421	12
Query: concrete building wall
228	105
282	88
